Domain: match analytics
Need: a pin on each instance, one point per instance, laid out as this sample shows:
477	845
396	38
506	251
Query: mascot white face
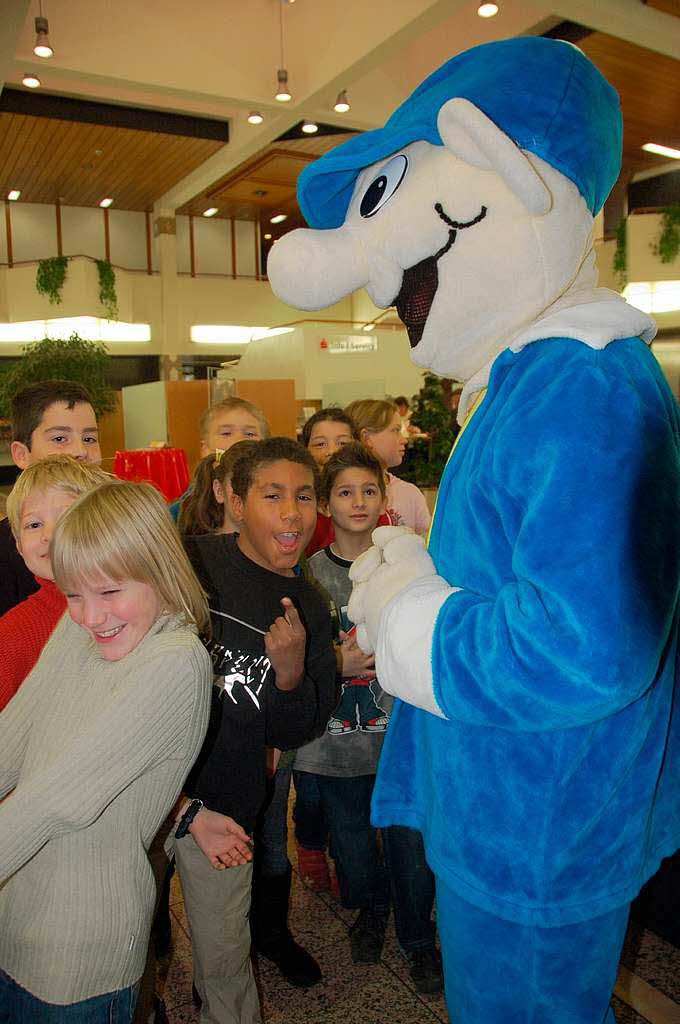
430	226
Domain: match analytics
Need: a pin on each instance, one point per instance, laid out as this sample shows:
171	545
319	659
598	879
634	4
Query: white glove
397	558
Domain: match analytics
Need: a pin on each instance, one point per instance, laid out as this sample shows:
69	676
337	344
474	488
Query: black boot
271	936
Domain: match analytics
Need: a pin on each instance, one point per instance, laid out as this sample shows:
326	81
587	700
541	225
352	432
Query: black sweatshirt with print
248	712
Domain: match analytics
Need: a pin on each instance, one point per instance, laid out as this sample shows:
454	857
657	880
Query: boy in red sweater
41	494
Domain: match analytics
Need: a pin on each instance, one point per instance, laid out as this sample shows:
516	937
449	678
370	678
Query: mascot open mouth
419	283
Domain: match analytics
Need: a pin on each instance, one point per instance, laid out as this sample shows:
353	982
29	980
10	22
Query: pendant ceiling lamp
283	93
42	46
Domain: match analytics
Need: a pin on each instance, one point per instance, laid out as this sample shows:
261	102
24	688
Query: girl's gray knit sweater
93	754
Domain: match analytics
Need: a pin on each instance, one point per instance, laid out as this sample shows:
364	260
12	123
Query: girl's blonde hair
61	472
200	511
371	414
124	531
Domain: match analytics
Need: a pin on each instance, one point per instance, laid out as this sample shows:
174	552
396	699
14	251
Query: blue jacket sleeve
582	492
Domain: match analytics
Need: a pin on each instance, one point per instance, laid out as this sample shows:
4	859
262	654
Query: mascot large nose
313	269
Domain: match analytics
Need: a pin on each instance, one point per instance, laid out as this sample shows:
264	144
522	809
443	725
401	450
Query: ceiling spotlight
487	10
210	212
283	94
309	127
278	218
255	117
342	103
13	195
42	46
654	147
31	81
268	236
105	203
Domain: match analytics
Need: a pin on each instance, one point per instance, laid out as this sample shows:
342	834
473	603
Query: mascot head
471	210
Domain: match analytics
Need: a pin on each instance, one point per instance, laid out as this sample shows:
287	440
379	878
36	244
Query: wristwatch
187	818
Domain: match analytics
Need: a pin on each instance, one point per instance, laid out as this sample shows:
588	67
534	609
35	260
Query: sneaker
313	868
338	726
367	936
375	724
426	970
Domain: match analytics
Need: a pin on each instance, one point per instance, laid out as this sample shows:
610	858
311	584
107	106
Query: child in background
323	434
221	426
342	763
52	417
207	508
378	425
272	653
37	500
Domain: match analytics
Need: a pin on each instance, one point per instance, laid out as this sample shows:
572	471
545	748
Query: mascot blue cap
543	93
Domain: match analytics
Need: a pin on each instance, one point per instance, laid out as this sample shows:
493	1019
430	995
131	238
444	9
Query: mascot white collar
471	211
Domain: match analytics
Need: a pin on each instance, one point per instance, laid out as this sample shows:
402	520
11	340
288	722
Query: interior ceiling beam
246	144
14	14
631	20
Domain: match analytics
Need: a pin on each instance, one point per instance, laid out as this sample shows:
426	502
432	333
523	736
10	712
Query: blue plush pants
500	972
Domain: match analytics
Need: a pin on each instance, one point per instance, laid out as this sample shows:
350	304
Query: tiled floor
648	989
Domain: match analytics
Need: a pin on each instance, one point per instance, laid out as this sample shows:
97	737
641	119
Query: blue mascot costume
533	647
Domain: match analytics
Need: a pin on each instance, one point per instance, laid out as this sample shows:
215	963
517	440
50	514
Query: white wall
34	231
127	232
82	231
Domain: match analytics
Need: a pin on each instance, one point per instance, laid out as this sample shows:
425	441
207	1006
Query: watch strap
187	818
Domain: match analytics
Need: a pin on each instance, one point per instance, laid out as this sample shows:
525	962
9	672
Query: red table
165	468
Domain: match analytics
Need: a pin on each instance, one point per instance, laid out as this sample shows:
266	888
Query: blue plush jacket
551	791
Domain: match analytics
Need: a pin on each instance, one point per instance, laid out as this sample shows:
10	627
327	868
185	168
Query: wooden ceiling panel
246	191
667	6
281	168
50	158
649	86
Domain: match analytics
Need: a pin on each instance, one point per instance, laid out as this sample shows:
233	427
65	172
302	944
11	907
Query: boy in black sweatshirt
275	670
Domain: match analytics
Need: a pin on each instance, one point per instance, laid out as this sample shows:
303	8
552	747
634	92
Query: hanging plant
50	277
107	288
667	245
620	264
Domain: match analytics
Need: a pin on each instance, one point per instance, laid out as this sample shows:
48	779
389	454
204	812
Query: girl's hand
221	839
284	643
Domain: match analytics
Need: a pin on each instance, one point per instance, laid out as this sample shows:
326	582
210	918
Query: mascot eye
384	186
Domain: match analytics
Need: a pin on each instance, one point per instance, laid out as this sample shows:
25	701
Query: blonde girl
378	426
94	749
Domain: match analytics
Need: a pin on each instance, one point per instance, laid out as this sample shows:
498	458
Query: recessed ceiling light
105	203
342	103
210	212
278	218
31	81
310	127
653	147
14	194
268	235
255	117
487	10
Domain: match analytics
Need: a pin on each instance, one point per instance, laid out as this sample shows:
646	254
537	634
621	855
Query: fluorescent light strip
89	327
653	296
232	334
653	147
14	194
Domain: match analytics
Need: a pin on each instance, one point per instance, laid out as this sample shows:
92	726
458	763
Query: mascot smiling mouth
419	283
